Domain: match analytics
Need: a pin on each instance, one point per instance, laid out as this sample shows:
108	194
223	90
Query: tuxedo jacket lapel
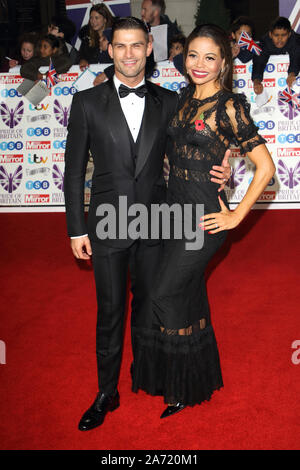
117	127
149	128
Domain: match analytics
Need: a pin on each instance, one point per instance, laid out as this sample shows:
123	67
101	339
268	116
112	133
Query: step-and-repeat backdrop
33	139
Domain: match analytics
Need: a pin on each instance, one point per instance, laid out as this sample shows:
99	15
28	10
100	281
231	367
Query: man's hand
258	86
81	247
101	77
290	79
222	173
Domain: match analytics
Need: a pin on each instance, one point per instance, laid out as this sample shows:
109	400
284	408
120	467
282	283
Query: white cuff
79	236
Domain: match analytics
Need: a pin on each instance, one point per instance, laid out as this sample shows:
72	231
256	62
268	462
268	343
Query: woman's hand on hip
219	221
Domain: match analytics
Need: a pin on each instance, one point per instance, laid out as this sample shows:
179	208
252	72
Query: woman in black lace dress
178	358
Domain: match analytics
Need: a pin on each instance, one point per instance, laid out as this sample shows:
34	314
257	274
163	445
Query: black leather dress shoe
95	415
171	410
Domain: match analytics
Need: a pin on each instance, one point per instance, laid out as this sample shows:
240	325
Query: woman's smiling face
203	62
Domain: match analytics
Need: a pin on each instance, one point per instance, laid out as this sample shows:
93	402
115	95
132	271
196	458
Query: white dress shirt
133	108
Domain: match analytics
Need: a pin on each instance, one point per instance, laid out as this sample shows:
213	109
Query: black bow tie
140	91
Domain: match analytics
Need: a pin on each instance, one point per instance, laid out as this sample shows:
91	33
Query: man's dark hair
64	25
129	22
240	21
281	23
161	4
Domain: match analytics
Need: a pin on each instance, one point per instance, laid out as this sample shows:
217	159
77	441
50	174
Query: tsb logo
11	93
38	132
290	138
37	185
240	83
174	86
59	144
282	82
64	91
11	145
270	68
265	125
271	182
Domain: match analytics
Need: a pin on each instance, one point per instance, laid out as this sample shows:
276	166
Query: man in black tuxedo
123	124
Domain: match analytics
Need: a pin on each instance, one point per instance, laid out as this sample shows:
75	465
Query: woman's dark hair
240	21
109	20
281	23
220	37
129	22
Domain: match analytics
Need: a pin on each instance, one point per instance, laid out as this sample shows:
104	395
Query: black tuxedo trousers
111	267
97	126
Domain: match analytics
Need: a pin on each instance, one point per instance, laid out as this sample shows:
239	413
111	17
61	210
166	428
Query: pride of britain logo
289	103
58	177
61	113
289	176
12	117
237	175
10	181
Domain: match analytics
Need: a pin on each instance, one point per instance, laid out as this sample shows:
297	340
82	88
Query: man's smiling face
129	51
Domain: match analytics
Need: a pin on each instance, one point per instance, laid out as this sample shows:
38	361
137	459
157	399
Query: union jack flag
290	97
52	78
247	42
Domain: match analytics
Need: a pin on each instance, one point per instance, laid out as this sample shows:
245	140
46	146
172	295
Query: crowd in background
35	49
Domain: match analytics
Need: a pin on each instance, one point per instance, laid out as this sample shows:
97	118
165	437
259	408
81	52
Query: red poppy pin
199	123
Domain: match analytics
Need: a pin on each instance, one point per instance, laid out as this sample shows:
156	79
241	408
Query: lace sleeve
235	122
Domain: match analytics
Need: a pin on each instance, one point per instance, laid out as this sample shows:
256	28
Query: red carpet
48	325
